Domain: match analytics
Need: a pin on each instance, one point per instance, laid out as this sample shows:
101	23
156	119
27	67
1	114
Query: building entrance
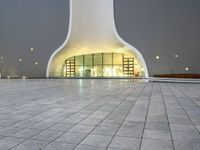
101	65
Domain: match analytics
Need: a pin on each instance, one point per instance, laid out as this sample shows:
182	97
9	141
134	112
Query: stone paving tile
1	137
105	130
59	146
110	123
90	122
99	114
7	122
127	132
187	145
26	133
71	138
112	148
72	120
47	135
31	145
89	147
97	140
133	124
37	118
62	127
155	144
82	128
80	115
8	131
125	143
183	128
185	136
181	121
9	142
157	126
198	128
157	134
133	117
24	124
42	125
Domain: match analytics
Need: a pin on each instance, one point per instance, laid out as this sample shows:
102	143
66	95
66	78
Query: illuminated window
88	60
107	59
79	60
98	59
101	65
117	58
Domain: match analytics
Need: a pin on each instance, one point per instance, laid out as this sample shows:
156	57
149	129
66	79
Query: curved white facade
92	30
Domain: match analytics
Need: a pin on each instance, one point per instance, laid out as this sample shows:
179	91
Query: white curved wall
91	30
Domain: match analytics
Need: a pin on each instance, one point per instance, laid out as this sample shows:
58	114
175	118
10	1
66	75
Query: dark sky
154	27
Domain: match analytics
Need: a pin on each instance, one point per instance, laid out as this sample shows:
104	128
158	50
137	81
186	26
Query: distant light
24	77
8	77
32	49
176	56
187	69
20	60
36	63
157	57
1	57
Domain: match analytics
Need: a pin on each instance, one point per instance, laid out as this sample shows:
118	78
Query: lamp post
1	67
36	68
20	67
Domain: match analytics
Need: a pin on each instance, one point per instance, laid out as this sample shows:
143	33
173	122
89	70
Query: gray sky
154	27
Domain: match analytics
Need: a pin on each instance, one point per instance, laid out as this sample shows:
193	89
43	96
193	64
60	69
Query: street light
157	57
20	65
1	67
187	69
176	56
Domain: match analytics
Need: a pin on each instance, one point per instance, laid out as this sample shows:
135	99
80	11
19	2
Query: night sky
154	27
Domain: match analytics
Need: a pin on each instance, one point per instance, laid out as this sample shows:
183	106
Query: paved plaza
58	114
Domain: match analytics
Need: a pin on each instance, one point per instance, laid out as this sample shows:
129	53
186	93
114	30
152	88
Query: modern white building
93	48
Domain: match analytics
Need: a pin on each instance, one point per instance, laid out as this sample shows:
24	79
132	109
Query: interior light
81	69
8	77
31	49
20	60
24	77
36	63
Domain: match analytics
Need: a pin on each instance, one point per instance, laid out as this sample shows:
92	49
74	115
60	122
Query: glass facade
100	65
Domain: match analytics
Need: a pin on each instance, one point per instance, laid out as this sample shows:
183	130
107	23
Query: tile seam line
184	109
125	117
79	121
104	119
167	115
47	129
181	90
147	110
